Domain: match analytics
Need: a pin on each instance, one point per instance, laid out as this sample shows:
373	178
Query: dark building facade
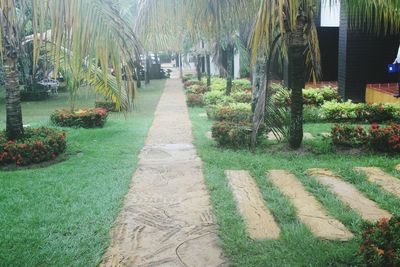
355	57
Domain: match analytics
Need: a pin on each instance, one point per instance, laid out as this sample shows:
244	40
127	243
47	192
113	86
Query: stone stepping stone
260	224
350	195
309	210
387	182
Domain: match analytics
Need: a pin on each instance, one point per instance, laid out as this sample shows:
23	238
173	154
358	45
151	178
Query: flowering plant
386	139
84	118
37	145
381	243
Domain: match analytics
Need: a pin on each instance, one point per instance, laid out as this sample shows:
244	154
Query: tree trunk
198	67
14	127
180	66
230	68
138	81
296	81
147	70
208	62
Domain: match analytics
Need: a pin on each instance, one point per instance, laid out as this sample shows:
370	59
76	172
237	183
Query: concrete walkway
167	219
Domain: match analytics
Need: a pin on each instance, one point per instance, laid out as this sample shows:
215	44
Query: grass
296	246
61	215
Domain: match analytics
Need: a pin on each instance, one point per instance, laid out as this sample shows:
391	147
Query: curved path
167	219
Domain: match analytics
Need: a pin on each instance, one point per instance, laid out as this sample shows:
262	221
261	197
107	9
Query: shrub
197	89
333	110
241	85
188	77
218	84
83	118
312	114
233	112
386	139
311	97
381	243
233	134
317	97
37	145
214	98
190	83
349	136
107	105
194	100
242	97
375	113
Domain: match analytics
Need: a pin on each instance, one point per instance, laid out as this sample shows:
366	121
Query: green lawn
61	215
297	246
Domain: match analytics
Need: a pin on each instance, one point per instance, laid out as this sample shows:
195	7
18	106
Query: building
356	59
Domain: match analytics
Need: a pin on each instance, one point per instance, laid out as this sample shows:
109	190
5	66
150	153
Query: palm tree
291	21
85	34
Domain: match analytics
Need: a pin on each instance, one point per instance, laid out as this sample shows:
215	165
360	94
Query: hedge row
378	138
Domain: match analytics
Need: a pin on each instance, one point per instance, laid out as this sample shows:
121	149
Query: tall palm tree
85	34
292	21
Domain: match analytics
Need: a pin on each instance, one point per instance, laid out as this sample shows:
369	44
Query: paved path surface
167	219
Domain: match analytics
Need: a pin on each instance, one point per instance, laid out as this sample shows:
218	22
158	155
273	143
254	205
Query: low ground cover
61	215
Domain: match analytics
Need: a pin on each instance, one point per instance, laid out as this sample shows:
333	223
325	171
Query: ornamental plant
108	105
233	112
194	100
385	139
82	118
233	134
37	145
381	243
349	136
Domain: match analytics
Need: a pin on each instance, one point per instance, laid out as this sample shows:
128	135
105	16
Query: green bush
190	83
349	136
241	85
218	84
242	97
375	113
194	100
233	112
37	145
188	77
311	97
107	105
312	114
197	89
381	243
334	111
83	118
214	98
233	134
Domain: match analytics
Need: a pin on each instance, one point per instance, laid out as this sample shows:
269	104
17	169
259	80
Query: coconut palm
87	34
292	23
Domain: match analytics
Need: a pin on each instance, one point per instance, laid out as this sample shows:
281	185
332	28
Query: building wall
363	58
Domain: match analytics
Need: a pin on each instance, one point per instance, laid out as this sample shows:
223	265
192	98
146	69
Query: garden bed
82	118
37	145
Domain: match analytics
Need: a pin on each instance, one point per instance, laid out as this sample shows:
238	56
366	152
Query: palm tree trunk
147	70
180	66
230	68
296	81
198	67
208	62
14	128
